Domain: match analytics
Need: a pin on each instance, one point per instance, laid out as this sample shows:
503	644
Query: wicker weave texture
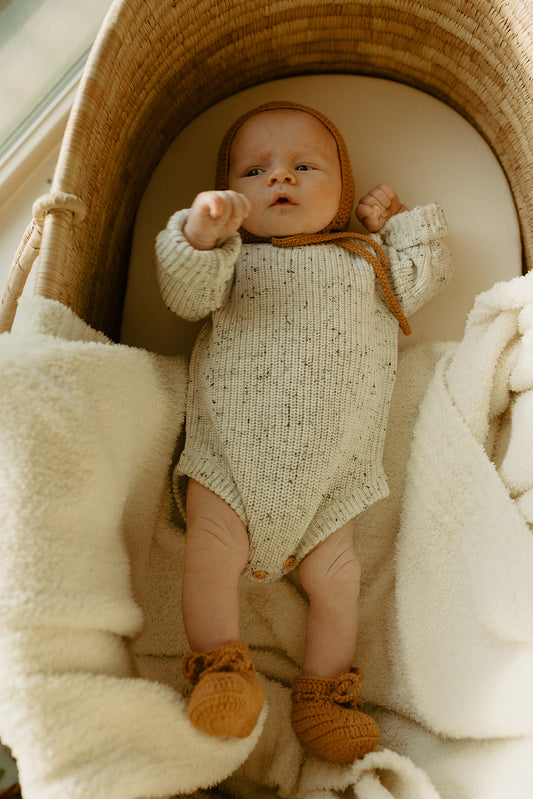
156	64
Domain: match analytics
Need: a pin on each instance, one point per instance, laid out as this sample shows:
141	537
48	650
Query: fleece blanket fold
477	516
92	701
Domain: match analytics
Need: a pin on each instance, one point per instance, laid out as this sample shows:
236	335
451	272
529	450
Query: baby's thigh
214	530
332	563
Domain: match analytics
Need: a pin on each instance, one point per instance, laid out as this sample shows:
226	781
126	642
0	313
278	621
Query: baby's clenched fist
214	215
377	207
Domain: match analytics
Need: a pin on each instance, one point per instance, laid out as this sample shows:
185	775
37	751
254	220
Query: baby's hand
213	216
377	207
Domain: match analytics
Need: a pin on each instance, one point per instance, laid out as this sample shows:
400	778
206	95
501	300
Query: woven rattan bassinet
157	64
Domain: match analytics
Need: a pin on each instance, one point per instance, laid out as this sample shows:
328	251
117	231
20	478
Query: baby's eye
252	173
302	168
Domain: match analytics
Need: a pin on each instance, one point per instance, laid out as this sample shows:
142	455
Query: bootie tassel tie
327	719
227	698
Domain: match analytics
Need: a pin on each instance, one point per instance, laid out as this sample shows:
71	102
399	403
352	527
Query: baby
290	386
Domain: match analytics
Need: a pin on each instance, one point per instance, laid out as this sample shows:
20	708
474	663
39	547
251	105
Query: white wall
16	212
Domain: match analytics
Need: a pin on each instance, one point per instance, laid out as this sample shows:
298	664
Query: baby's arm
376	208
195	255
214	216
420	263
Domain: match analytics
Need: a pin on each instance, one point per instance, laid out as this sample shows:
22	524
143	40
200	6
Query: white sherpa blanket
91	697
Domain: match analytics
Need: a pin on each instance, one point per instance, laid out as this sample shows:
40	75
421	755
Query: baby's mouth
282	201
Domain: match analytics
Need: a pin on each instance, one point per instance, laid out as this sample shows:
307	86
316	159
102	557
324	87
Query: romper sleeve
420	263
193	283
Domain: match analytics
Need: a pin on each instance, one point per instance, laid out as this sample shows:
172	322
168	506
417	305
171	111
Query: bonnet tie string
351	241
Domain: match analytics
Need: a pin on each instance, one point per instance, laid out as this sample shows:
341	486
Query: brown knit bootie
227	698
327	721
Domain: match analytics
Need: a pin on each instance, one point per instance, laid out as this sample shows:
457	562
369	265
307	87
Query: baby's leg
216	551
227	697
325	714
330	574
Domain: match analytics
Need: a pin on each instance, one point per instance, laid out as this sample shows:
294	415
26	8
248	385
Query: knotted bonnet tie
336	231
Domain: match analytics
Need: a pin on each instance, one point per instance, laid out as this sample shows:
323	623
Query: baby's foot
227	698
327	720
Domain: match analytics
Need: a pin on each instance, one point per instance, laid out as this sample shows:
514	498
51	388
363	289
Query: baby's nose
281	174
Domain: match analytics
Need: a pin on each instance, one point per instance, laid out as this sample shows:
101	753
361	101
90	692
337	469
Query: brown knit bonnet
335	231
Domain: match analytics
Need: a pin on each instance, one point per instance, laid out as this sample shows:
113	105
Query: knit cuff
173	236
193	282
410	228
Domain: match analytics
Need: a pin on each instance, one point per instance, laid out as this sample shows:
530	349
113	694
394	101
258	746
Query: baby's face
286	163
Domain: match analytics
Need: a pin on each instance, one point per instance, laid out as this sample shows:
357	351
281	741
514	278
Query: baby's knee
215	534
329	569
210	535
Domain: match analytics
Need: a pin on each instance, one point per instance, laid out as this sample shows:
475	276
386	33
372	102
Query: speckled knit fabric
292	374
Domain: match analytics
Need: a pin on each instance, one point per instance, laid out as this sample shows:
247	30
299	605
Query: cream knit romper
292	374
